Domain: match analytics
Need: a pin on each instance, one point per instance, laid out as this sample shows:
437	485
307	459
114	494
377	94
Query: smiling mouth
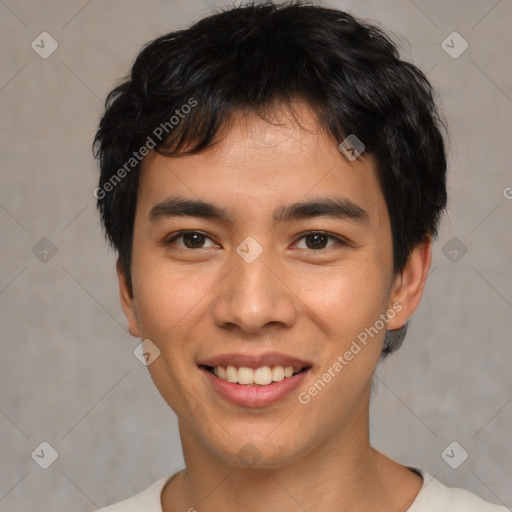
262	376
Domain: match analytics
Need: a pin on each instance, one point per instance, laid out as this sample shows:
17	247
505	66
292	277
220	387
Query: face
258	279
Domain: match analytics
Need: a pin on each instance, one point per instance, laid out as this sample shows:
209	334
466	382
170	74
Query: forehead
260	163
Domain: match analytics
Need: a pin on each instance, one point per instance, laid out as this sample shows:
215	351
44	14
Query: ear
409	285
127	302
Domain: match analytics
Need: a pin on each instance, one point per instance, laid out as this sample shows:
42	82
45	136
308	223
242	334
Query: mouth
254	381
260	376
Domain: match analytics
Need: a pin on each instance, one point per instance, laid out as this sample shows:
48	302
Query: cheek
172	301
348	297
168	295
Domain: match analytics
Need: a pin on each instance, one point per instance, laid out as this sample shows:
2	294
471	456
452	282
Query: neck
342	472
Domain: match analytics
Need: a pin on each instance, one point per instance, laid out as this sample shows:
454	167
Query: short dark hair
255	58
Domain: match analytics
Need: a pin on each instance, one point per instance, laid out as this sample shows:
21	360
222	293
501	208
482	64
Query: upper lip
255	361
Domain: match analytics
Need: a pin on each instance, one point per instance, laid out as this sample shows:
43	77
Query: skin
194	303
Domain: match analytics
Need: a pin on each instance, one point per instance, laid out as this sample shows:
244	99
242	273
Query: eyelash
169	241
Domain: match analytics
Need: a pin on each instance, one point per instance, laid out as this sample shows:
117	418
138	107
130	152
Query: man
272	179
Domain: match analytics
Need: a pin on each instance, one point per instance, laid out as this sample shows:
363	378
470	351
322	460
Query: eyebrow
335	207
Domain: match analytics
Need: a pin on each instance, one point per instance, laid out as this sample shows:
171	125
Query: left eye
318	240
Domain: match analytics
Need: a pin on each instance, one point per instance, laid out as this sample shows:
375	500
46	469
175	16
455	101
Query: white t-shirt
433	497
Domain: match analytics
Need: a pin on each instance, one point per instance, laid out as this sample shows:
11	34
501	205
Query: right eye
191	240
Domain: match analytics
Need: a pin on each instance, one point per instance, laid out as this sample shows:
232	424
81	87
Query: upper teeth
262	376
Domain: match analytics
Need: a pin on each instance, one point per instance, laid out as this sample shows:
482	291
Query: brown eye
191	240
319	240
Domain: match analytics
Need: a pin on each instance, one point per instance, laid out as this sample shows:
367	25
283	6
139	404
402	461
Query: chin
258	452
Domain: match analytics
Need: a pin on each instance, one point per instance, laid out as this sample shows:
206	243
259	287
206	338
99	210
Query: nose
255	296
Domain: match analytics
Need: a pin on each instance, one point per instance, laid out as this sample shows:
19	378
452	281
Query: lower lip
255	395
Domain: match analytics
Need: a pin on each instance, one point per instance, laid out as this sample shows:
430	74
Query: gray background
68	373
